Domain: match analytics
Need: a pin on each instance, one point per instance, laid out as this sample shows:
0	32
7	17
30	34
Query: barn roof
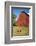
25	13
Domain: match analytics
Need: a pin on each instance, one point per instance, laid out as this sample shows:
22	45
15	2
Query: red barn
23	19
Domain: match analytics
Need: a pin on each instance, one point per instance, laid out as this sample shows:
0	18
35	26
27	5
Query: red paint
23	20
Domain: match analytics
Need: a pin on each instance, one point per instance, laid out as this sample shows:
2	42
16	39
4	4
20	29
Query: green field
24	31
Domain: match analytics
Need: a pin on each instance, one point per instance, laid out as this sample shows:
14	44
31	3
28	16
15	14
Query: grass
24	31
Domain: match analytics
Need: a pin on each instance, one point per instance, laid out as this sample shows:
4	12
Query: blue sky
17	11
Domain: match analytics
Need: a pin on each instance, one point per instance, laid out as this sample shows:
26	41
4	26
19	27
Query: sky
17	11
